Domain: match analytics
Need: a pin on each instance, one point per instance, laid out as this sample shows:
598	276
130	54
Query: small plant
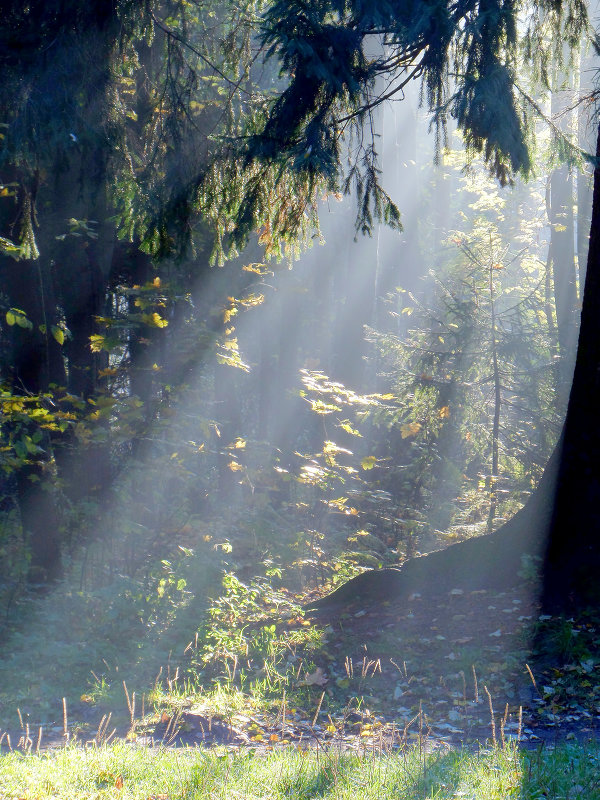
254	637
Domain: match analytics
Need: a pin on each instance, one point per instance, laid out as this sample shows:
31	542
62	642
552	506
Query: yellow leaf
155	320
96	342
410	429
58	334
258	269
444	412
368	462
234	466
156	282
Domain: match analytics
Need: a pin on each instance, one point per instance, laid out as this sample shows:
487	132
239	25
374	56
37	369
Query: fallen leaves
317	678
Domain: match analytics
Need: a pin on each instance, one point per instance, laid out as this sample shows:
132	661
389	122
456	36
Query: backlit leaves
410	429
15	316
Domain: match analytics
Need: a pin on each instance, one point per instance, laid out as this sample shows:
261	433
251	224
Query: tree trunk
572	563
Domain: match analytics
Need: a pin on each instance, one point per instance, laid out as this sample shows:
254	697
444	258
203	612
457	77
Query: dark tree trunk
572	564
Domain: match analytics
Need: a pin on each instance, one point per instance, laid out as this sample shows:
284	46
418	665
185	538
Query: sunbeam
298	385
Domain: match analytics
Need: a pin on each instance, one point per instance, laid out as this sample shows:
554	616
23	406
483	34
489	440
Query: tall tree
326	51
106	109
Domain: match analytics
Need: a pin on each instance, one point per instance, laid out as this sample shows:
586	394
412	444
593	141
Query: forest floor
468	669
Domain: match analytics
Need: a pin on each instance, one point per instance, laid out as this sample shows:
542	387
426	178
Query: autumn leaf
257	268
346	426
155	320
317	678
58	334
410	429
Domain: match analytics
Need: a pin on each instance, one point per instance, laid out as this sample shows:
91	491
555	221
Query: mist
225	478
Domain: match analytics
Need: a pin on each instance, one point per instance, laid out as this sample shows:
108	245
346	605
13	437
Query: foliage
472	360
107	113
141	143
342	61
251	639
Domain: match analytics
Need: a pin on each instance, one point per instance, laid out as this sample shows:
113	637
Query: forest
299	323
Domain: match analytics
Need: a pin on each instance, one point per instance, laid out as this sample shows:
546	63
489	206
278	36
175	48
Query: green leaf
58	334
14	316
9	248
368	462
23	322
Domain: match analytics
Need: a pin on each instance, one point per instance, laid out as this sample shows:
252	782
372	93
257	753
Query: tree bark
572	561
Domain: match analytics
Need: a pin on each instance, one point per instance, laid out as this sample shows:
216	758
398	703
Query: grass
127	772
273	676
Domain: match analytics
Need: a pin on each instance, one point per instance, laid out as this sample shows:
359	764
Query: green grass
123	771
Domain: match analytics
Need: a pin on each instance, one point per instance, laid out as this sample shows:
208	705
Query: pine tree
467	56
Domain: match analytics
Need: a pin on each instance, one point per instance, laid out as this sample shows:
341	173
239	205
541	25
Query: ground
467	668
